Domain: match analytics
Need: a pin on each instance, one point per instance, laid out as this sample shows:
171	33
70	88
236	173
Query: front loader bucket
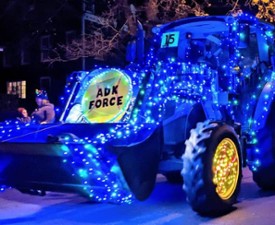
139	164
79	158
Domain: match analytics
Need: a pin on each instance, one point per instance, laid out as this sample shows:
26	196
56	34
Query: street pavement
166	205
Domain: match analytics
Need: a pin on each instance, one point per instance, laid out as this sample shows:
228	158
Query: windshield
191	49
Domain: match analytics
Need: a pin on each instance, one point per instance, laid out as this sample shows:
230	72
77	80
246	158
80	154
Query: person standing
45	112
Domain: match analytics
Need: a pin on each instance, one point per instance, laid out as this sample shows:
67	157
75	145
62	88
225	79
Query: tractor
196	106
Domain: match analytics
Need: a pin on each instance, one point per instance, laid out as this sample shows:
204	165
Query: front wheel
212	168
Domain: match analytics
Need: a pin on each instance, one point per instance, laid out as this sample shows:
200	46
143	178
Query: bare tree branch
119	22
266	9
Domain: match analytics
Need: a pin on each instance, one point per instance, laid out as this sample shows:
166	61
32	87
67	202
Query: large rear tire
212	168
263	168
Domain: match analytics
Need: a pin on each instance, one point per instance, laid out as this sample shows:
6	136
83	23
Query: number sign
170	39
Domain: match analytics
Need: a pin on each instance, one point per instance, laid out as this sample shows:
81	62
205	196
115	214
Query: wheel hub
226	168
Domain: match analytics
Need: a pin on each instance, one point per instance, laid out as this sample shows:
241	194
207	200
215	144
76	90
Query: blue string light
156	83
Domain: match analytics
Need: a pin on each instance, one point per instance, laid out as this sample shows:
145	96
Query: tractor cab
195	42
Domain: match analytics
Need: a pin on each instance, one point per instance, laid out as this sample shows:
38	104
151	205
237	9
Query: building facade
30	30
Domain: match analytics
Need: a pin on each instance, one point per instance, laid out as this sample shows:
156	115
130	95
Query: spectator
45	112
23	115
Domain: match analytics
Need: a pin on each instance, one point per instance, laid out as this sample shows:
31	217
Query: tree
109	36
118	24
266	9
263	9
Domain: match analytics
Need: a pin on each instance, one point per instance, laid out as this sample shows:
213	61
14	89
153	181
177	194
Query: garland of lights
99	172
157	82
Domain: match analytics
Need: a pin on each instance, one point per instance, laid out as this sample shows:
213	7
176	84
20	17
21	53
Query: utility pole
83	31
88	15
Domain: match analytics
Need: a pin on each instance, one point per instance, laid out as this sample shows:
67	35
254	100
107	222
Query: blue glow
156	83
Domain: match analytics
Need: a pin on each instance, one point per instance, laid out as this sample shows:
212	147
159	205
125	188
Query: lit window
17	88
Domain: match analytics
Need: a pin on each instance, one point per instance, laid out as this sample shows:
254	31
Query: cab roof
206	24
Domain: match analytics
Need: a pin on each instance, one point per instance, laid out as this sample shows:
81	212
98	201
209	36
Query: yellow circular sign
107	97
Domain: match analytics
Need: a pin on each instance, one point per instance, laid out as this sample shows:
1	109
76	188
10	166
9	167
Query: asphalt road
166	205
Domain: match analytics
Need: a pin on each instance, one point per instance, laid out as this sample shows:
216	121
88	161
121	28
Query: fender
261	126
211	111
177	126
263	106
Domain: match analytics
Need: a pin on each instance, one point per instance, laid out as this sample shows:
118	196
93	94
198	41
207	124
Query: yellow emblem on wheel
226	168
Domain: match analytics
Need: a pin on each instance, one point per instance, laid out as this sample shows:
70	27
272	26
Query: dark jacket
24	119
44	114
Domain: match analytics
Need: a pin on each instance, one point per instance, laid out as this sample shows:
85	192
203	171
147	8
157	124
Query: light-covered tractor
199	105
